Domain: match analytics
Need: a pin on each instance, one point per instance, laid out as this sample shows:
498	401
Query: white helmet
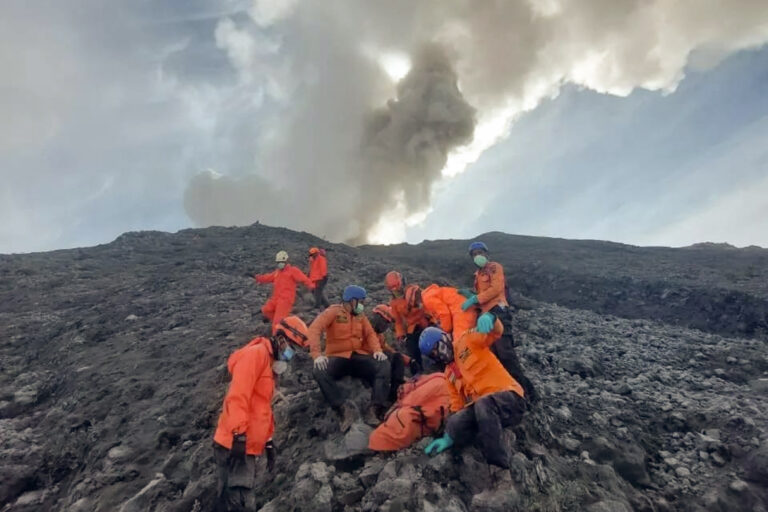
281	257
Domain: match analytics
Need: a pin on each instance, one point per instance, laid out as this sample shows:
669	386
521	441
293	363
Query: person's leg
462	426
282	309
504	350
338	367
324	299
235	483
397	373
377	373
268	309
493	413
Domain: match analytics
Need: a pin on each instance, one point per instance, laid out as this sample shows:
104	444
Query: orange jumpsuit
318	267
406	321
283	296
419	411
344	333
247	406
479	371
490	286
443	305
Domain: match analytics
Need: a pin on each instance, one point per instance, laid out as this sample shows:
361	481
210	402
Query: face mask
480	260
281	265
287	354
445	350
358	309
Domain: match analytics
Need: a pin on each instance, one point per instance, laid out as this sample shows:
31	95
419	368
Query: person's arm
317	328
238	400
497	285
301	277
265	278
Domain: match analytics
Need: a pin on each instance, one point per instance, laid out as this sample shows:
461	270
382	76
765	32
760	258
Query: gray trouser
486	418
234	483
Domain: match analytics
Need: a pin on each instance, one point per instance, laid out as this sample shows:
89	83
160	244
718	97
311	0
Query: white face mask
279	367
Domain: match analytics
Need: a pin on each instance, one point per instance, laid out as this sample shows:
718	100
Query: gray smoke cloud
333	161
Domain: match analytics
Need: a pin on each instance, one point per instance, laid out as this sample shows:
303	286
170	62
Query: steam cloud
332	161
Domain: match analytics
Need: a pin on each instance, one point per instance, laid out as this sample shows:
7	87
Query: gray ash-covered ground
113	371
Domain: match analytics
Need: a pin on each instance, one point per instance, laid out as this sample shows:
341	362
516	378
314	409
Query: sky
643	122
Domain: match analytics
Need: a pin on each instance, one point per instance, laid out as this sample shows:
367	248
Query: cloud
505	58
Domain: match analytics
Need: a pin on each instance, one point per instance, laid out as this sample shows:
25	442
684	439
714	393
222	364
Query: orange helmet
293	328
412	296
385	312
394	280
313	250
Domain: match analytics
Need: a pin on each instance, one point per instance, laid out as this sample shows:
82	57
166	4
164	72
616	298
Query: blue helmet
353	292
474	246
429	338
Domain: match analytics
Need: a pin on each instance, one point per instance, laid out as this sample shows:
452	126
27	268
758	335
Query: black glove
237	452
271	455
414	366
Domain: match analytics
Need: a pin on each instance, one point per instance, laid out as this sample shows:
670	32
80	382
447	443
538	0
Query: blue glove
439	445
485	323
469	303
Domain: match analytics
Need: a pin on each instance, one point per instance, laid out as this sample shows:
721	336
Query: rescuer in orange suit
318	274
351	348
409	315
246	423
284	280
490	297
484	397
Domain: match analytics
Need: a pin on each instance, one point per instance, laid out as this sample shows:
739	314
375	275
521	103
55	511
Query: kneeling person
349	342
484	397
246	423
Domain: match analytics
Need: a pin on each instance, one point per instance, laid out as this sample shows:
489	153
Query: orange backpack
421	409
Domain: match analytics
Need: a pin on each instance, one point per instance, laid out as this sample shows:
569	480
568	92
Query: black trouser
319	293
397	373
235	483
360	366
412	345
486	419
504	350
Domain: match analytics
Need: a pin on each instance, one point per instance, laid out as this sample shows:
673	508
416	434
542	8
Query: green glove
469	303
439	445
485	323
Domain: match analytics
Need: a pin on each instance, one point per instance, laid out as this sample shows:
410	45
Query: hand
237	452
271	452
380	356
485	323
439	445
469	303
321	363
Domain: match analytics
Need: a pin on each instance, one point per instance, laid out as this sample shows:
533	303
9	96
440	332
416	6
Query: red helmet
394	280
293	328
313	250
412	296
385	312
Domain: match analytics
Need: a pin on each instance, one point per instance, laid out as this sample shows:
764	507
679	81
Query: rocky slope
113	370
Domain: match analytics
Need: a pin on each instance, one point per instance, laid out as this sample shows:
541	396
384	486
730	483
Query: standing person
318	274
246	423
410	317
284	280
351	349
484	397
490	297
